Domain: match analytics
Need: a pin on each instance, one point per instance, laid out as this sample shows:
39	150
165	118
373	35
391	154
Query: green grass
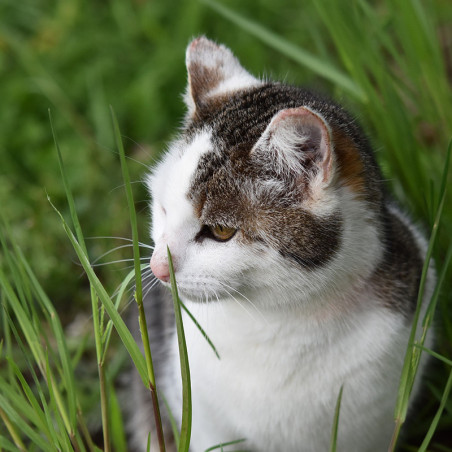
389	62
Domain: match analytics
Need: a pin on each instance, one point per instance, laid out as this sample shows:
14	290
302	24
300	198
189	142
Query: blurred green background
77	57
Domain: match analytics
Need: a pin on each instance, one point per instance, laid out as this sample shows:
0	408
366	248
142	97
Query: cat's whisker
123	185
245	297
141	148
145	245
240	304
102	264
150	285
147	271
144	276
109	252
126	305
132	298
224	314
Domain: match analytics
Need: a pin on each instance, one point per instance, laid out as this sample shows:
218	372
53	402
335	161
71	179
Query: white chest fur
279	376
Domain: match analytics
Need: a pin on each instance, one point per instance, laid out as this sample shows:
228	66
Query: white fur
279	376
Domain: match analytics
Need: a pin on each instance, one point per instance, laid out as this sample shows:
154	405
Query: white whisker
152	285
240	304
246	298
118	261
109	252
145	245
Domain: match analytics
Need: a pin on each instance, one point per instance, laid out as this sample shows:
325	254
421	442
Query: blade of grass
206	337
31	330
185	431
7	445
40	419
34	419
287	48
66	441
16	416
11	391
221	445
435	421
174	427
68	371
117	424
336	421
428	317
85	432
12	431
138	283
435	354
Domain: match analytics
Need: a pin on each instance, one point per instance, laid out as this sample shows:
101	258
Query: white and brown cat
293	258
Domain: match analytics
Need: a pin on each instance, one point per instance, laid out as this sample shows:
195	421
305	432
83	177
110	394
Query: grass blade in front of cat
336	421
138	283
200	328
185	433
413	354
221	445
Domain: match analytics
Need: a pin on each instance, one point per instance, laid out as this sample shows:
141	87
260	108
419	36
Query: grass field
389	62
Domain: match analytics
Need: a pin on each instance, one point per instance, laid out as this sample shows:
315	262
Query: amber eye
222	233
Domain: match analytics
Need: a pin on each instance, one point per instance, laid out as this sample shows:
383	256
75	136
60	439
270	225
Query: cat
293	258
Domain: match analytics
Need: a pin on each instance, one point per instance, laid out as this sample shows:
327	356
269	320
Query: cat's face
260	195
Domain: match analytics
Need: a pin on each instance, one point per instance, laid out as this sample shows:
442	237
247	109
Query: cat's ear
212	70
297	141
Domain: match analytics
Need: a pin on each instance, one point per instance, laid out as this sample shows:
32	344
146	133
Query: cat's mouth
198	295
201	290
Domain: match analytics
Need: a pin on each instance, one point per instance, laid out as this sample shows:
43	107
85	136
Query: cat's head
269	191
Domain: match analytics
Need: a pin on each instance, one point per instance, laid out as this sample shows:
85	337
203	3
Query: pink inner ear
312	130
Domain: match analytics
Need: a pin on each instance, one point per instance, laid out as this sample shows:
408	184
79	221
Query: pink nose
160	268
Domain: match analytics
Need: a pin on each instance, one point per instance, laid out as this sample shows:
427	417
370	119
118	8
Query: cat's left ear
212	70
297	142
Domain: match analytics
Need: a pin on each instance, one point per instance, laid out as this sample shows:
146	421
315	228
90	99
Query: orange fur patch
349	162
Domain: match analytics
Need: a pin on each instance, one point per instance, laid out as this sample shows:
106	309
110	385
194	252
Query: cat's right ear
212	70
297	143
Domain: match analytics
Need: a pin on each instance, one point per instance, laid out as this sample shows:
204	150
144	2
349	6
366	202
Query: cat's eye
222	233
